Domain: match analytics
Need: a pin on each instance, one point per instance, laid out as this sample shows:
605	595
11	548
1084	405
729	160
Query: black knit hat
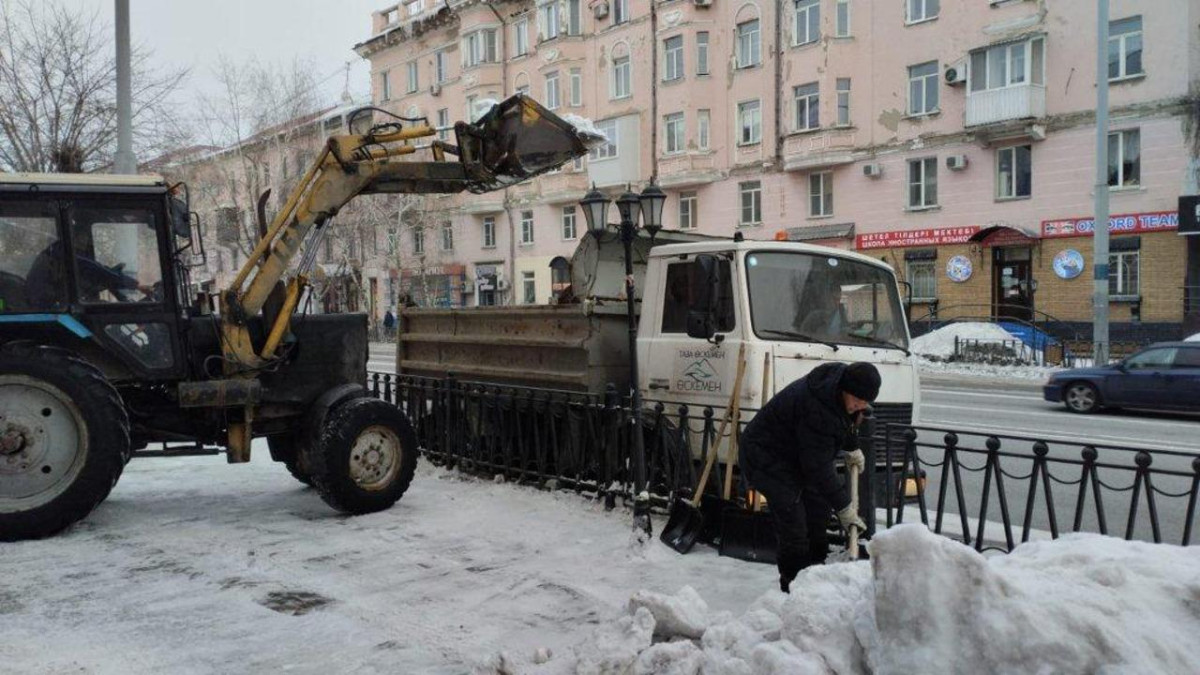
861	380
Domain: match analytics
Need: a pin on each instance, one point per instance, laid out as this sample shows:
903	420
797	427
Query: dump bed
578	347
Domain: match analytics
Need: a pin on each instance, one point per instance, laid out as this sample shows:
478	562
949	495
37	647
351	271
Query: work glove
855	460
848	517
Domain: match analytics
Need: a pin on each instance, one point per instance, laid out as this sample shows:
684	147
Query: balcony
1023	101
807	151
564	186
683	170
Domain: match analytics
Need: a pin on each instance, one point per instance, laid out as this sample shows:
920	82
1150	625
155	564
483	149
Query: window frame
621	64
820	191
601	153
748	44
620	12
443	120
528	287
842	20
806	98
673	59
910	19
447	239
527	234
1122	136
752	189
575	87
1121	40
1116	289
521	37
488	236
806	20
924	80
843	102
569	218
924	183
418	241
1032	71
1014	181
674	133
552	102
702	46
929	267
548	19
440	69
688	202
703	128
755	127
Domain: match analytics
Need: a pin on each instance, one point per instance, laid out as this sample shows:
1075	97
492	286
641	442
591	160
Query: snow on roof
941	341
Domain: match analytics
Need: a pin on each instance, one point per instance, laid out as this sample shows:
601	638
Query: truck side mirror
705	281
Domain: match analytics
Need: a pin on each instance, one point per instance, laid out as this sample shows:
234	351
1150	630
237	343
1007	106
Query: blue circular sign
959	268
1068	264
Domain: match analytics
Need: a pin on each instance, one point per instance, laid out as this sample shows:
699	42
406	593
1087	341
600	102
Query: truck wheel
287	447
364	457
64	440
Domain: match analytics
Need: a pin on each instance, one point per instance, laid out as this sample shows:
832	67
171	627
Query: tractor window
116	255
31	258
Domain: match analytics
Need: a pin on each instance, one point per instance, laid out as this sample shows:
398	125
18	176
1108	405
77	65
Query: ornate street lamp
652	199
595	211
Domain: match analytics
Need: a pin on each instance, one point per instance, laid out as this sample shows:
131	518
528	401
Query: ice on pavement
924	604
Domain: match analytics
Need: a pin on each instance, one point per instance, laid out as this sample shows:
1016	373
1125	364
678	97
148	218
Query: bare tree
58	92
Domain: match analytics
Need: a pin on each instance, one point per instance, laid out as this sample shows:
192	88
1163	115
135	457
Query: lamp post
648	205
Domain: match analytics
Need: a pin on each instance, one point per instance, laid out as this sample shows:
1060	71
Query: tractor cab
96	265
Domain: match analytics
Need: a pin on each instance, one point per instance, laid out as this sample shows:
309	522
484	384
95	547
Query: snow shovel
747	534
686	521
852	531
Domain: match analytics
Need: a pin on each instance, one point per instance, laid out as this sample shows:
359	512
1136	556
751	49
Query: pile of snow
940	342
591	135
1079	604
1194	338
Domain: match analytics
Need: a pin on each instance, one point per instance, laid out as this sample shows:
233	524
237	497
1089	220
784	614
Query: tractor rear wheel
64	439
364	457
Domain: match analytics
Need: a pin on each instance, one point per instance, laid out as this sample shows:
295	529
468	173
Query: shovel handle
852	531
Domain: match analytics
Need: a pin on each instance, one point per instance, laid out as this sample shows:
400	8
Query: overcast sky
195	33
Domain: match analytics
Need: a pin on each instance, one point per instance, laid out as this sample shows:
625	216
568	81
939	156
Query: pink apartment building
922	131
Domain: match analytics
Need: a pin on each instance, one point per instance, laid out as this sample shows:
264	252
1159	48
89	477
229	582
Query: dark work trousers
801	518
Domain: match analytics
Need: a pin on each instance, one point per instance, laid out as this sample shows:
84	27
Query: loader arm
516	140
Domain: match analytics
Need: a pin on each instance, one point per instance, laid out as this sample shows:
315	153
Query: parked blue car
1163	376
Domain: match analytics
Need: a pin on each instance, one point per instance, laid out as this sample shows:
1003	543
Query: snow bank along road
193	566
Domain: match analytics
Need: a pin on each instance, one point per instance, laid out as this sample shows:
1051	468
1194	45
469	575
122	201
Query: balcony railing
687	169
816	150
1010	103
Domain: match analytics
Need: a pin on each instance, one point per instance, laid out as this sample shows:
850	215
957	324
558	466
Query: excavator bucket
519	139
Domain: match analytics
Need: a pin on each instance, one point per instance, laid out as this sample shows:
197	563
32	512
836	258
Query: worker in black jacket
788	452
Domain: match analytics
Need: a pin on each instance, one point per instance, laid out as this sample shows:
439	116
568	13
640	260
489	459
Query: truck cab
793	306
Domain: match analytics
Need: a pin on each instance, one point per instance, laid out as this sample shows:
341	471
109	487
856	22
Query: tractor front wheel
364	457
64	440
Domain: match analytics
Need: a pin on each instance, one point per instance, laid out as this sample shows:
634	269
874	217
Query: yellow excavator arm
516	140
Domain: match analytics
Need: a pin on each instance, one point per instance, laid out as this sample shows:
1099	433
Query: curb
976	382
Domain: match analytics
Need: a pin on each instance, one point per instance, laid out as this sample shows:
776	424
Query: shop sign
1132	223
1007	237
959	268
1068	264
927	237
435	271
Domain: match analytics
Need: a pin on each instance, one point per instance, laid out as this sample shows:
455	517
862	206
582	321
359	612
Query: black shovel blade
747	535
683	526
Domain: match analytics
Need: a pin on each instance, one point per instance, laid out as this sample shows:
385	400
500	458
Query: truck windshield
826	298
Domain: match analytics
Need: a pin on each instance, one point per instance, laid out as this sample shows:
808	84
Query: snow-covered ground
1193	338
935	346
193	566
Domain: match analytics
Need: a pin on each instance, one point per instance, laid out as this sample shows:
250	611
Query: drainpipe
778	54
508	211
653	91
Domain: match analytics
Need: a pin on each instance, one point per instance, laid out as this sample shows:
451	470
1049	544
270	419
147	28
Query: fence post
607	465
868	479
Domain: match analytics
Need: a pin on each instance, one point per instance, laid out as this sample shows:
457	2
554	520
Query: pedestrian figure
389	324
788	451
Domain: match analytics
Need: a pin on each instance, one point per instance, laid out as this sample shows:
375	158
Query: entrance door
1012	294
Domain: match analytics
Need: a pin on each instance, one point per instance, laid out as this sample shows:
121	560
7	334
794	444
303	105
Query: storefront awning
819	232
1004	235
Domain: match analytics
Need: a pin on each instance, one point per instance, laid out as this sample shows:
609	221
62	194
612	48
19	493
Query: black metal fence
989	491
994	491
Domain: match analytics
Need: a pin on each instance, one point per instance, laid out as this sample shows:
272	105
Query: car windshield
824	298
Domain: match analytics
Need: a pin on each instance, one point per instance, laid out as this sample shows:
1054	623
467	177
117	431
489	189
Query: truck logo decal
700	371
695	372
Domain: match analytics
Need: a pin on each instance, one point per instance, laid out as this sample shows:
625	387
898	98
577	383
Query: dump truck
104	348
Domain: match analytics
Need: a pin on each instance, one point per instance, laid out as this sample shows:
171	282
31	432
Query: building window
820	194
574	17
702	53
620	11
480	48
749	122
489	232
806	28
526	228
568	223
674	126
1123	272
418	235
749	44
471	106
576	87
443	123
577	163
385	87
414	82
843	101
750	193
842	23
687	210
807	107
1014	172
921	10
703	122
440	71
923	88
552	101
447	238
621	77
922	274
922	182
1125	48
673	52
1124	159
521	37
1007	65
609	149
548	18
528	288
